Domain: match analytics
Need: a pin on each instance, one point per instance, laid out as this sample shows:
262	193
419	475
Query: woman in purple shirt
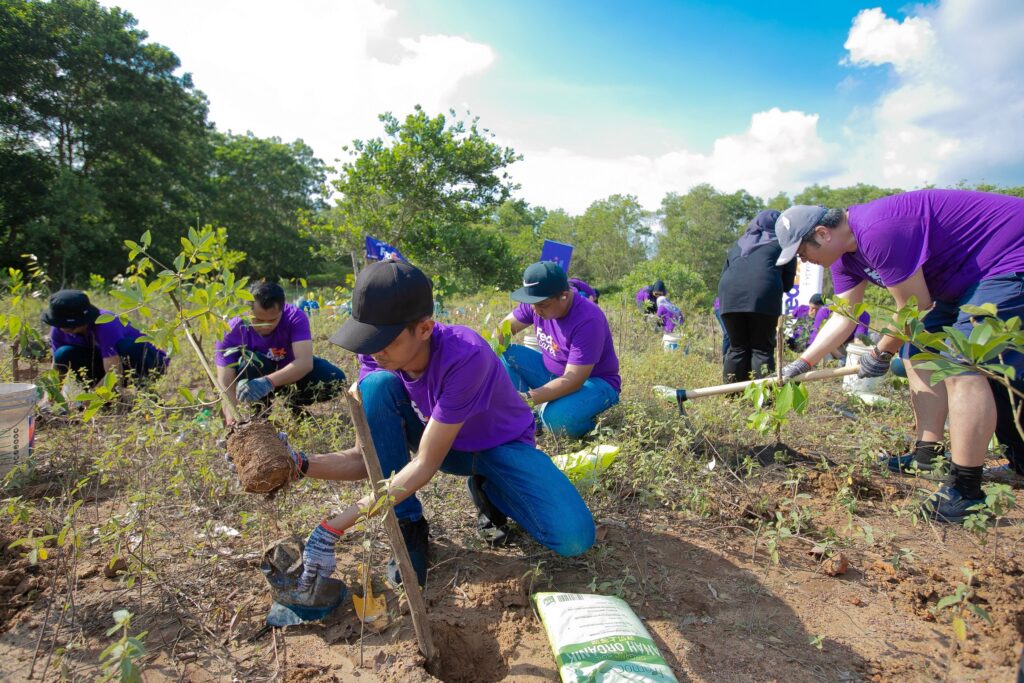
947	249
80	344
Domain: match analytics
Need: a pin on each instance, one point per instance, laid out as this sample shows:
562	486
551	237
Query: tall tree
701	225
610	238
262	189
123	138
428	180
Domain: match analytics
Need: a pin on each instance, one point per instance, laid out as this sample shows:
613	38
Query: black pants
1006	424
751	346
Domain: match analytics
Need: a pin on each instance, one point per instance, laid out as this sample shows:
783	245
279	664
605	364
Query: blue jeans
1007	293
573	415
725	333
521	481
321	383
140	358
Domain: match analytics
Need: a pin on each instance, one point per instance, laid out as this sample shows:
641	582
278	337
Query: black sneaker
415	534
491	523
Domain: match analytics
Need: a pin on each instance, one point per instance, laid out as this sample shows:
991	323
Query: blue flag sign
557	252
382	251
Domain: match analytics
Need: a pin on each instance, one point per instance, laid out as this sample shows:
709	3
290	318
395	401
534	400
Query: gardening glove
318	558
874	365
299	458
797	367
255	389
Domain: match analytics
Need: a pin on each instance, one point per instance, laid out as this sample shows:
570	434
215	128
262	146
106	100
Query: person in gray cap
947	249
575	375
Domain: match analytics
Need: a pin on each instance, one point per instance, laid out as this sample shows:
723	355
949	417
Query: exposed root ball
261	459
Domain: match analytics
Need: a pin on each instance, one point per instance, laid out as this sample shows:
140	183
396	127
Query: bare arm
571	380
434	447
298	368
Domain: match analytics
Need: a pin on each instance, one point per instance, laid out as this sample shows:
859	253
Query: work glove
254	389
874	365
318	558
300	459
797	367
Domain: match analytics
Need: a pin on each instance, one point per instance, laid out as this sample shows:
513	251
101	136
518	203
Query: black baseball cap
388	295
541	280
70	308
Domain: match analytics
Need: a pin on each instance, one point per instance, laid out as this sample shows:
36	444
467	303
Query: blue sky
642	98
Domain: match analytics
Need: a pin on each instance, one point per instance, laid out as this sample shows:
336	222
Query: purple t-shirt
105	335
580	337
825	312
277	346
584	289
465	382
957	238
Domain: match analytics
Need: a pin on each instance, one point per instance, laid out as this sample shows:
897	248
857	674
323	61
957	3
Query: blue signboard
557	252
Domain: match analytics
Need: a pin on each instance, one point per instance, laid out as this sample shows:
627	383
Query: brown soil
261	459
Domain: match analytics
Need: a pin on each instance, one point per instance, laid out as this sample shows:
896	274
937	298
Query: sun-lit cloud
957	100
320	70
781	150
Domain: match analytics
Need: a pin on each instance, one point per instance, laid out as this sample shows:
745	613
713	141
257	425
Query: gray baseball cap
793	226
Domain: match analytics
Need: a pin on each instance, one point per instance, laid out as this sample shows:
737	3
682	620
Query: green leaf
104	318
947	601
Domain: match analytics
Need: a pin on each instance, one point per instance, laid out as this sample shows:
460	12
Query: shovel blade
371	609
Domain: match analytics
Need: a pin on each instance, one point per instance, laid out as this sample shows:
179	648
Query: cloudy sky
642	98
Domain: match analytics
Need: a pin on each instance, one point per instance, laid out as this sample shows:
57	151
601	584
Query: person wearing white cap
946	249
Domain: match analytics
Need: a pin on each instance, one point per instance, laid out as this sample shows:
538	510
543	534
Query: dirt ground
164	530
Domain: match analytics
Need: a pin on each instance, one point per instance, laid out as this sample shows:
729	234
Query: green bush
685	288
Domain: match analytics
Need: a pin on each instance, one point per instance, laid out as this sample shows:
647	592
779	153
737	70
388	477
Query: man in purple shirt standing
81	344
439	392
947	249
575	375
273	349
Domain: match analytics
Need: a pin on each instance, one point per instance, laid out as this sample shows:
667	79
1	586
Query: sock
966	480
926	451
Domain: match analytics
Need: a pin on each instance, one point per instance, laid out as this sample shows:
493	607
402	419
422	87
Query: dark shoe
908	464
415	534
948	505
491	523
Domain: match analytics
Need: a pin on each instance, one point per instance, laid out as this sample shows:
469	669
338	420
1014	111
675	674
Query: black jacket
753	283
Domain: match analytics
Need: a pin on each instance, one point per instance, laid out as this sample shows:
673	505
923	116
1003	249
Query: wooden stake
811	376
417	607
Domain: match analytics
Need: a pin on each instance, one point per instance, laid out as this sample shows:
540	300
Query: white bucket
670	342
530	342
851	383
17	424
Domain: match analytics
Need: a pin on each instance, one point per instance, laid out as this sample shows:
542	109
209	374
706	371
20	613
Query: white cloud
320	70
877	39
955	107
781	150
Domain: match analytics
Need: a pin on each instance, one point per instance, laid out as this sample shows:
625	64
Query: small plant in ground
119	660
903	557
999	500
817	641
960	608
773	405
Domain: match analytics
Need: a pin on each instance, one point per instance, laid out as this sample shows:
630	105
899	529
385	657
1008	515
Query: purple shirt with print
585	290
465	382
580	337
105	335
825	312
957	238
277	346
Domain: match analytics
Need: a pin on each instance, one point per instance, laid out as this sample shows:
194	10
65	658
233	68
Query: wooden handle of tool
735	387
417	607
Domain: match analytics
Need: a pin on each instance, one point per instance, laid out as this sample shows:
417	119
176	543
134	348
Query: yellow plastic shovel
371	609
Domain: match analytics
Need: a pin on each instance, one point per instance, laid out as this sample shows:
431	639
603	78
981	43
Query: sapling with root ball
205	295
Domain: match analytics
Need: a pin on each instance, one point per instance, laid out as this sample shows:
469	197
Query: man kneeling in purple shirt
947	249
437	398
